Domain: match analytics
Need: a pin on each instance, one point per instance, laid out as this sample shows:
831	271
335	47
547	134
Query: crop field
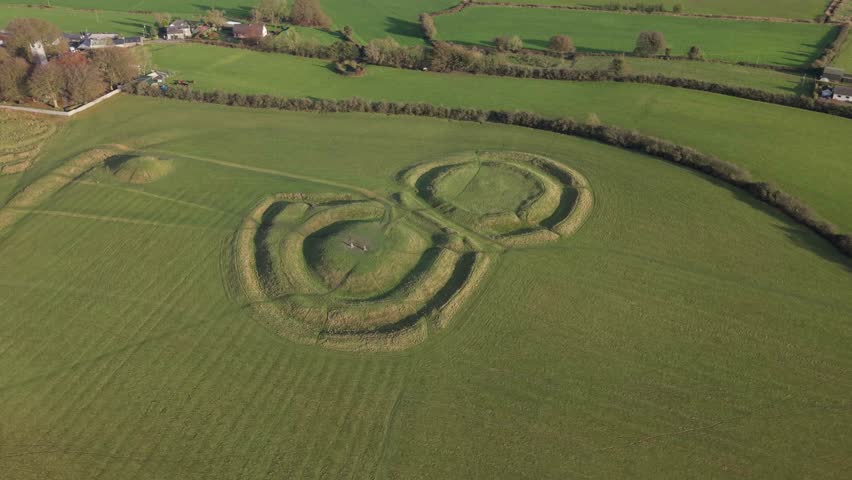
72	20
660	339
786	44
803	151
798	9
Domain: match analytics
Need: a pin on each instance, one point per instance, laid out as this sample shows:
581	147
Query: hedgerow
616	136
833	48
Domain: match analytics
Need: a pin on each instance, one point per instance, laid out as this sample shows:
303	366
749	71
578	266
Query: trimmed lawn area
805	152
786	44
664	340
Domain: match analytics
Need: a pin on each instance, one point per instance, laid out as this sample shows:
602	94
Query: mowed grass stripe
786	44
329	420
317	463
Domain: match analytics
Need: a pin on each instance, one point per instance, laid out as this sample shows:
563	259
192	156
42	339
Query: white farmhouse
179	30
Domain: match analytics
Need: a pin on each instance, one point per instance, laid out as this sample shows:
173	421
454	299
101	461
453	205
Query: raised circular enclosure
351	273
514	198
370	274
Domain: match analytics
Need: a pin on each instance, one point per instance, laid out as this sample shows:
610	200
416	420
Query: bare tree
83	82
162	19
270	11
650	43
695	53
47	83
562	44
13	76
214	18
25	32
427	24
117	65
309	13
506	43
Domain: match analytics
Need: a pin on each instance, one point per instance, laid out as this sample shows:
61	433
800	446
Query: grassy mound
139	169
351	274
514	198
361	258
488	188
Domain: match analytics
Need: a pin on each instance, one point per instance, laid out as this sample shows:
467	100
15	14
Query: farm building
251	31
104	40
835	75
179	30
842	94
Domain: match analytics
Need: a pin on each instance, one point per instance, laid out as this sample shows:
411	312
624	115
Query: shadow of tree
403	28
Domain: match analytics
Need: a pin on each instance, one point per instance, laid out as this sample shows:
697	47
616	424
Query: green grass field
370	18
381	18
762	79
804	152
71	20
799	9
684	332
237	8
785	44
844	59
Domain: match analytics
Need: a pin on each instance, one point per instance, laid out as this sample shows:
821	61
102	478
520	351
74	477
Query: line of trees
619	137
309	13
66	78
640	7
293	43
833	48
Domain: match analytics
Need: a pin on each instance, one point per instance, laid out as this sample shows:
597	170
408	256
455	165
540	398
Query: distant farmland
71	20
231	7
785	44
799	9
